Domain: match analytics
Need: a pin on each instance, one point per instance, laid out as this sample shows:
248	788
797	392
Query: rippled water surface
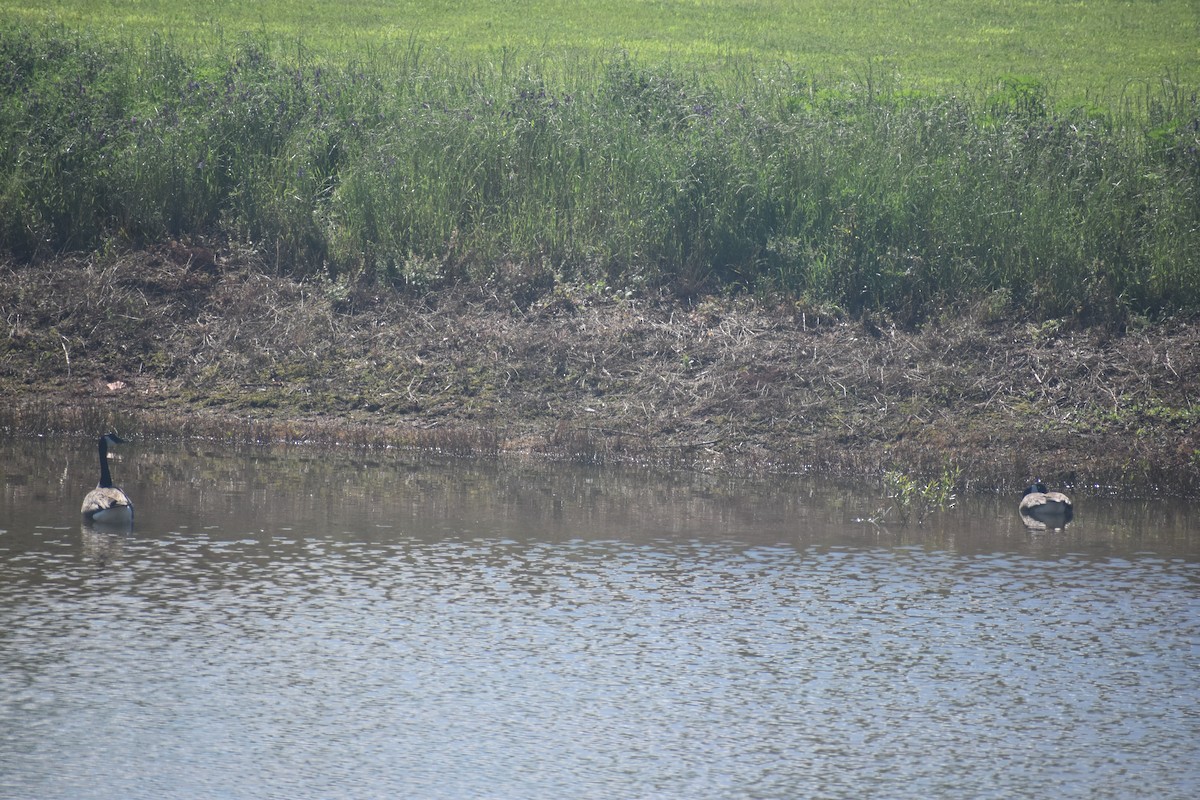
302	623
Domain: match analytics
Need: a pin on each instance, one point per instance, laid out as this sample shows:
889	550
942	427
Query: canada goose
1045	507
107	503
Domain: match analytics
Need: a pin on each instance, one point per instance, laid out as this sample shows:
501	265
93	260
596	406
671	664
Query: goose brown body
1046	507
107	503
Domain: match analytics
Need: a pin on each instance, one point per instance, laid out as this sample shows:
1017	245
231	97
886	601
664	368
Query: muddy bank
184	340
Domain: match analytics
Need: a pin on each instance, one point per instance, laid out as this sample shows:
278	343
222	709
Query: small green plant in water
911	496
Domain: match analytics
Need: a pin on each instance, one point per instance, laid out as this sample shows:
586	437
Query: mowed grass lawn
1102	49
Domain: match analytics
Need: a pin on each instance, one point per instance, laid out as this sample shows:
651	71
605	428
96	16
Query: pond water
296	623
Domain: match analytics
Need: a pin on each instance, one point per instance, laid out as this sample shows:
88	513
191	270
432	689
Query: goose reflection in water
102	544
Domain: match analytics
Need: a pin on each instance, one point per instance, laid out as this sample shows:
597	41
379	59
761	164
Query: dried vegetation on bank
184	340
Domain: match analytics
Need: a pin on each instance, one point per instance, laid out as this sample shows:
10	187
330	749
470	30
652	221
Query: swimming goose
107	503
1046	507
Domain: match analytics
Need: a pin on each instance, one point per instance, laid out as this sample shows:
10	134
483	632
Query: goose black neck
105	477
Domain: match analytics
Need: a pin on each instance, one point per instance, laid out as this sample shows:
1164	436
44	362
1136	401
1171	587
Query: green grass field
863	156
1099	47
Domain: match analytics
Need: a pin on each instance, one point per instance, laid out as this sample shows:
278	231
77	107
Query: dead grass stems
167	349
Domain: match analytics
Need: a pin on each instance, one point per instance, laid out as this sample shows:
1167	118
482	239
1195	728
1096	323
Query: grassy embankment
523	173
415	169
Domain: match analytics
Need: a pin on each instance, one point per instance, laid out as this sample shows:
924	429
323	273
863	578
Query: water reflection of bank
230	492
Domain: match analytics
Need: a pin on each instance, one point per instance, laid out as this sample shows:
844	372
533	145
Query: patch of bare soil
184	340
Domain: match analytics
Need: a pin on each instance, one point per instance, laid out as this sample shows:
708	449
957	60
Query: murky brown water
300	623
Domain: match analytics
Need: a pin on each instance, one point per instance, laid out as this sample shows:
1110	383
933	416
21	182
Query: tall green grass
410	167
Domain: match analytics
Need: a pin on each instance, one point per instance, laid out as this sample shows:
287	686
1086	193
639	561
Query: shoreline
186	341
